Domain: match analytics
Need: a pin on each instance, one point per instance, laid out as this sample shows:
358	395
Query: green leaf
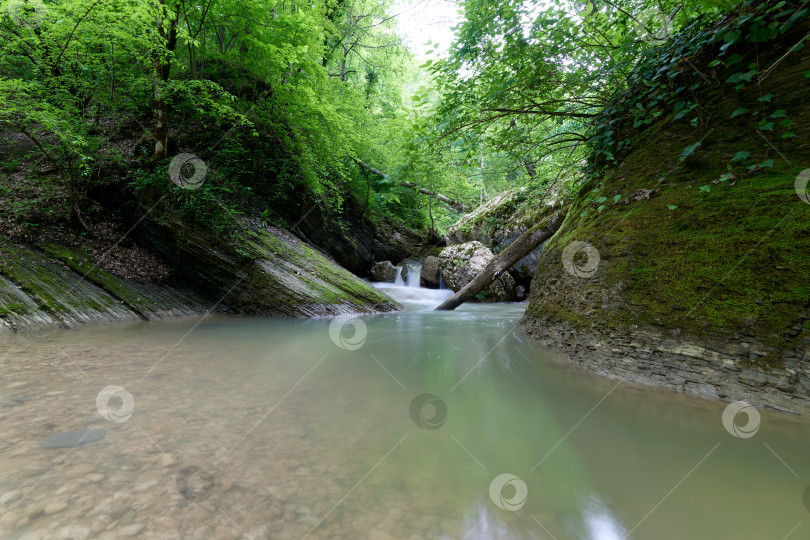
767	126
766	98
601	199
740	77
742	154
788	135
600	208
807	74
616	198
707	188
738	112
672	206
584	213
731	36
734	59
689	150
768	163
779	114
714	63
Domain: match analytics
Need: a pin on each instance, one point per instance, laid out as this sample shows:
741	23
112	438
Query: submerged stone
72	439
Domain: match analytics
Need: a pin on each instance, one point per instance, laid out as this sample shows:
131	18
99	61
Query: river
410	425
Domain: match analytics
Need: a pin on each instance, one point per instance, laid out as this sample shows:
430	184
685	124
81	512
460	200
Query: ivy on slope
731	54
691	196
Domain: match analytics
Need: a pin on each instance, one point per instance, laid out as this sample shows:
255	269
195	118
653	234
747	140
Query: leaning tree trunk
452	203
506	259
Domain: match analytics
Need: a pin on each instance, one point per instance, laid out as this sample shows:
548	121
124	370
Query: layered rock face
267	272
460	264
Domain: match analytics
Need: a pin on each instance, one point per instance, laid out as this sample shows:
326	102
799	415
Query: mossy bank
699	222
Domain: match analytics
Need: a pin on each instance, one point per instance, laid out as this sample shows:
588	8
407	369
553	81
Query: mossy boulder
384	272
500	221
460	264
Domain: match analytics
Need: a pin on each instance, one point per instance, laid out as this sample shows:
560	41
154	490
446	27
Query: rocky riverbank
265	272
732	370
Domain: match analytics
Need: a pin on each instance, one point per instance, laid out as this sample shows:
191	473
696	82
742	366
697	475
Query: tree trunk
456	205
518	249
162	63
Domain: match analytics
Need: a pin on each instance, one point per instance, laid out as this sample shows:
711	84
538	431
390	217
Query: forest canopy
285	97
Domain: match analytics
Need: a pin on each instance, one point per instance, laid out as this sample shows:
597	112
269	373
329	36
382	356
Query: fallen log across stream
518	249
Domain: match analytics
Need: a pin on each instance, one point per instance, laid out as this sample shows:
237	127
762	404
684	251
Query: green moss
13	309
733	257
24	268
331	283
54	289
84	266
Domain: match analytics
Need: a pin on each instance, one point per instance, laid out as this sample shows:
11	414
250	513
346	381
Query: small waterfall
414	274
442	284
408	290
398	281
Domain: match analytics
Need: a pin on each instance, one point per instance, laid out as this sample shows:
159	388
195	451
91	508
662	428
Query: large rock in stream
429	275
500	221
384	272
460	264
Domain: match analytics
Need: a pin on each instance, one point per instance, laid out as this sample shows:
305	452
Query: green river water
410	425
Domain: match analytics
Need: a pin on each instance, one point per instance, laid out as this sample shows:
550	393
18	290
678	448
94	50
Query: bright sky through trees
427	20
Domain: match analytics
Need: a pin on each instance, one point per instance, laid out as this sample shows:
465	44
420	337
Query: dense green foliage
278	97
281	99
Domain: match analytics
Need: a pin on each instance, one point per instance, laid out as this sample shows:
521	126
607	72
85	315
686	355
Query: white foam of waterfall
398	281
414	274
408	291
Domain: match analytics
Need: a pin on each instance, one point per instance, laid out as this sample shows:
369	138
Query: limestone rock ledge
730	370
265	272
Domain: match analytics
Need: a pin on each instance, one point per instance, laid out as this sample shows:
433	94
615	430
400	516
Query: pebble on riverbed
72	439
